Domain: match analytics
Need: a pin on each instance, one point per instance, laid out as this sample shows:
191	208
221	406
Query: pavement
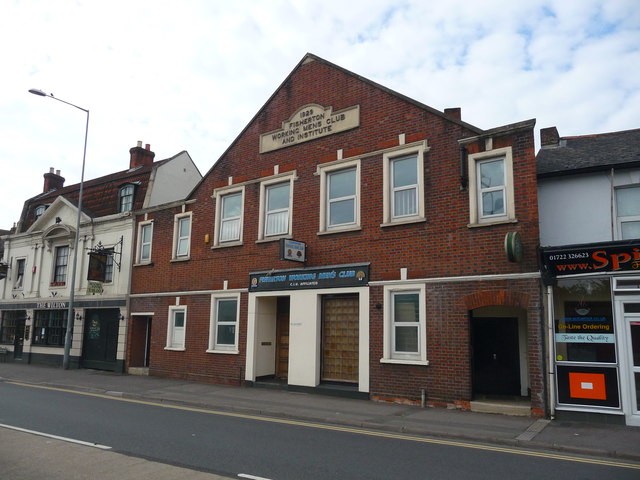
598	440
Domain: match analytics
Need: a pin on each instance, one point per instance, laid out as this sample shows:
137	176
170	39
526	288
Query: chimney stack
453	113
52	181
141	156
549	137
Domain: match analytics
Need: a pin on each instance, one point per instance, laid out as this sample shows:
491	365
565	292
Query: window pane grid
62	257
406	323
491	188
182	245
226	322
145	244
277	210
404	190
342	197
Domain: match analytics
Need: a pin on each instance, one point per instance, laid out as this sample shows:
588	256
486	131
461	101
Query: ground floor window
8	326
223	332
50	327
405	324
585	343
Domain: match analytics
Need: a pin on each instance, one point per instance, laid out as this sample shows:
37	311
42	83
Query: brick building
352	240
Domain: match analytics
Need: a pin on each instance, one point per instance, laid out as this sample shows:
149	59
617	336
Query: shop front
309	327
594	329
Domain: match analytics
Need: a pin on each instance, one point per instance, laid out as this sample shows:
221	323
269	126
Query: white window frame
387	173
142	243
214	347
219	196
177	238
389	354
263	207
55	265
627	218
173	331
121	195
108	269
475	205
325	172
18	282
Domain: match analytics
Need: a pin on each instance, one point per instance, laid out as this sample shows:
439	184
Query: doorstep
516	406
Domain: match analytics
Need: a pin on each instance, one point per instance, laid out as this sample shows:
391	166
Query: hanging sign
97	267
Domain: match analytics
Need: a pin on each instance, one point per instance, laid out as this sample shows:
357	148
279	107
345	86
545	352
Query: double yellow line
358	431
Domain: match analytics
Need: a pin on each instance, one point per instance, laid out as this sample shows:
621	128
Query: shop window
275	207
176	328
145	236
125	198
8	326
403	173
223	332
60	265
49	327
405	325
229	217
583	321
491	190
19	275
182	236
628	212
340	197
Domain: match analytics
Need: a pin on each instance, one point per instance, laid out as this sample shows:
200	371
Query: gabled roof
99	197
309	57
590	153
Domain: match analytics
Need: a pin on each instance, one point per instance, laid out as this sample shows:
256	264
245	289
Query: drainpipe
550	357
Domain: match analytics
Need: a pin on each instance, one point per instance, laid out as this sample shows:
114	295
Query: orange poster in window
587	385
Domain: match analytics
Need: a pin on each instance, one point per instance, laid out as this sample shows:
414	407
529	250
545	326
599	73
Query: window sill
58	284
275	238
143	264
397	361
181	259
403	222
173	349
225	352
227	245
488	224
341	230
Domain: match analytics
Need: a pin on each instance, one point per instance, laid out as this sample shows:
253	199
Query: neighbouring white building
38	258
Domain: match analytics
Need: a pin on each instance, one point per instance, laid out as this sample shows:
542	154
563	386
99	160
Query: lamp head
36	91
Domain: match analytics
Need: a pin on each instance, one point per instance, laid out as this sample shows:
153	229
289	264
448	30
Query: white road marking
56	437
251	477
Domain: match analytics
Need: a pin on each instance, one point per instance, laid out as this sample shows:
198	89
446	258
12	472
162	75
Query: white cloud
189	76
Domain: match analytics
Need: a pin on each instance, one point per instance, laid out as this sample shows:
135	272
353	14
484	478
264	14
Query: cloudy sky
189	75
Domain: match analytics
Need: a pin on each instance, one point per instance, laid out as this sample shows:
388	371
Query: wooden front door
340	327
282	338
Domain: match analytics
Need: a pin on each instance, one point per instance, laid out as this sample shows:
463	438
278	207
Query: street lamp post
70	319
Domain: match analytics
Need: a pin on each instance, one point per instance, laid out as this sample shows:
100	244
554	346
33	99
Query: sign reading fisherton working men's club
308	123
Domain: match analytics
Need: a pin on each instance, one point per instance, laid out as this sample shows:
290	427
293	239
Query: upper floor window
176	328
340	197
108	269
404	185
182	236
40	209
276	209
60	265
145	235
491	190
126	198
229	215
19	278
628	212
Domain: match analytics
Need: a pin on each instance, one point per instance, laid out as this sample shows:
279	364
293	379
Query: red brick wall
442	246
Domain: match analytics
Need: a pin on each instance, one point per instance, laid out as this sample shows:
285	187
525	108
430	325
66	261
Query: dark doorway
140	341
100	343
18	341
282	337
340	338
496	356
